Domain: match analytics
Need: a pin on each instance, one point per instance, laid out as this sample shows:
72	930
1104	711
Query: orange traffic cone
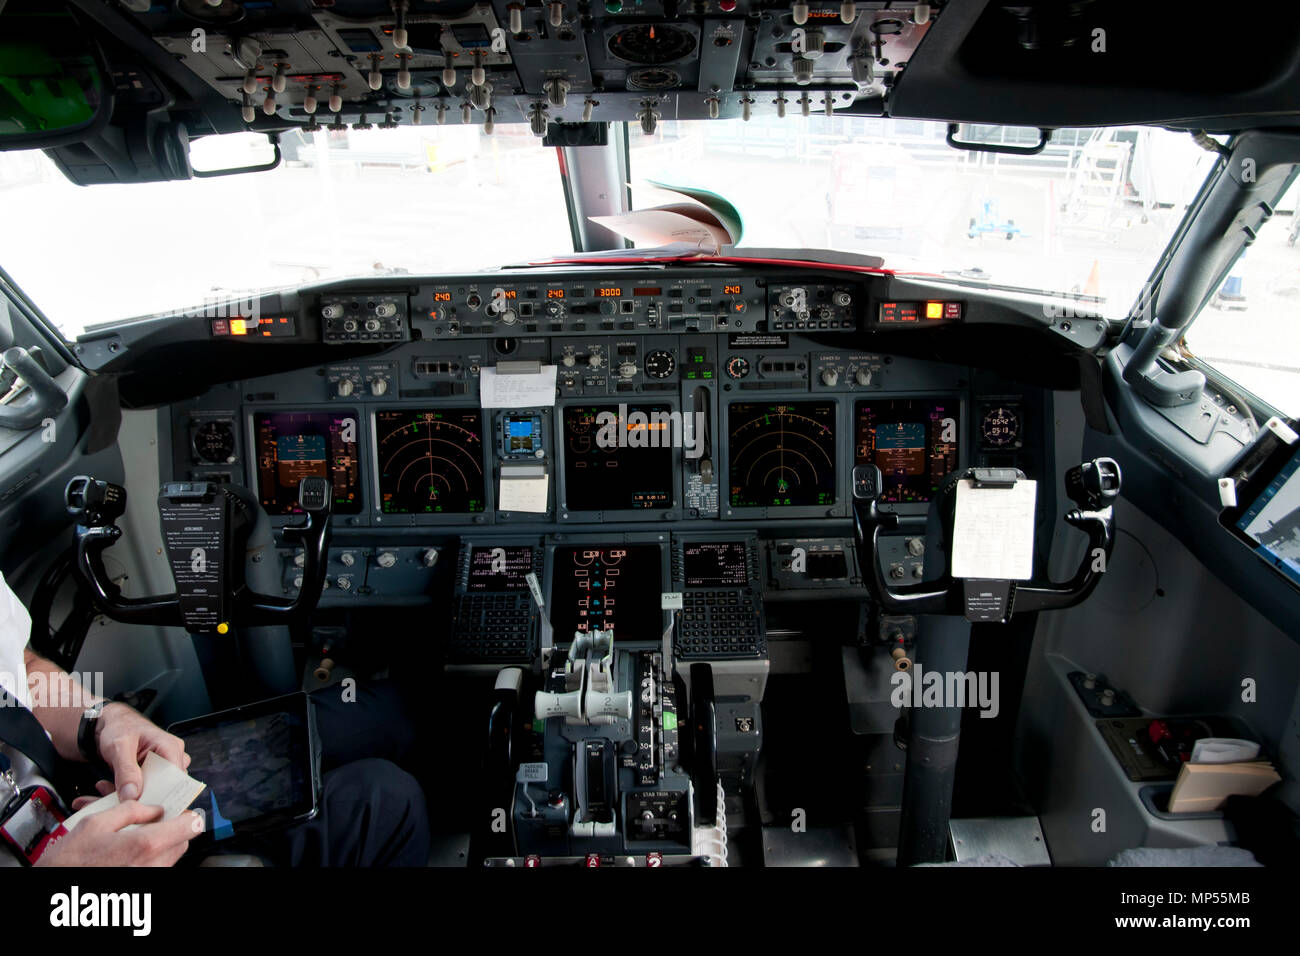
1093	285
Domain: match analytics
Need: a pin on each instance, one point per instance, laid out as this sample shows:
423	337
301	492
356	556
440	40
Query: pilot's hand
100	840
124	737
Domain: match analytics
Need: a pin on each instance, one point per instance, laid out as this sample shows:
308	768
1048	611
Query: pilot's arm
123	737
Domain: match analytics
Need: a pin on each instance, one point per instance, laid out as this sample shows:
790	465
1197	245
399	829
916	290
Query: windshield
1088	216
343	203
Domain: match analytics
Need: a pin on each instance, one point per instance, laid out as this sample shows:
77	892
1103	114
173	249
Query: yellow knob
223	628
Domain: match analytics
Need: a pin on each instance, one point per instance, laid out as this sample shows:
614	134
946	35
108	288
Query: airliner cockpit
685	434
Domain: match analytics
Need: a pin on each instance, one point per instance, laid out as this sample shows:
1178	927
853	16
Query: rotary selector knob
379	386
299	559
509	317
350	325
344	387
347	559
430	557
862	376
830	377
386	310
627	369
332	311
568	361
372	325
916	547
343	584
595	361
608	307
386	559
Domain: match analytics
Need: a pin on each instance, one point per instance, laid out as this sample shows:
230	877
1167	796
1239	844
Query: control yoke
1092	485
205	528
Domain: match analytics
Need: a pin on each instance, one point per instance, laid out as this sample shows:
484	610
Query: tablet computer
261	764
1267	519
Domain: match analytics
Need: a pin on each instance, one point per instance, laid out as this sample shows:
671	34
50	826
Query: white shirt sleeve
15	628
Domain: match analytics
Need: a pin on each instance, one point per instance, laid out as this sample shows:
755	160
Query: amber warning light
270	327
920	313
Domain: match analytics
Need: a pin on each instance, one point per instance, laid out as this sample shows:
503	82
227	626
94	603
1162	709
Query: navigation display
1273	521
716	564
914	443
499	569
290	446
430	461
781	454
596	588
618	457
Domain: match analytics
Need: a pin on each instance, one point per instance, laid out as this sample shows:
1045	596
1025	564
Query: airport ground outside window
1248	331
1088	216
420	200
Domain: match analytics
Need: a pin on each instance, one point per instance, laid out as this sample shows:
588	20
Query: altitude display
616	461
914	443
781	454
291	446
596	588
499	569
431	461
716	564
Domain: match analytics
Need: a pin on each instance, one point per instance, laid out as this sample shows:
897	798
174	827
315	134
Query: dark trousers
372	812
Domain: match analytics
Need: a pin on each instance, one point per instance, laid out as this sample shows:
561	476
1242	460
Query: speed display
914	443
290	446
781	454
430	461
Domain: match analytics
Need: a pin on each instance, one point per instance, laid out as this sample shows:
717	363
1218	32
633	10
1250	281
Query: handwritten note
993	531
517	389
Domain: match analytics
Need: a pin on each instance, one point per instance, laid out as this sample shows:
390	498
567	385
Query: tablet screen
257	771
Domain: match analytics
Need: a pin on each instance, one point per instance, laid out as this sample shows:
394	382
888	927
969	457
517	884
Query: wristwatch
86	742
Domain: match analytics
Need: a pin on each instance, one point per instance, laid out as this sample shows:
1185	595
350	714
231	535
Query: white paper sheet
1224	750
524	494
517	390
165	785
993	531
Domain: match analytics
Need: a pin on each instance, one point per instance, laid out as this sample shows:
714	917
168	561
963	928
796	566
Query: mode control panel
364	317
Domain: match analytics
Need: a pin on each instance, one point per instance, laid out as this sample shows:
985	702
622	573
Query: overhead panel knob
537	119
862	376
830	377
385	559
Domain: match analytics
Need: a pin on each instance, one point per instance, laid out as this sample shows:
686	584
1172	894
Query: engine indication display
781	455
598	588
290	446
618	457
430	461
914	443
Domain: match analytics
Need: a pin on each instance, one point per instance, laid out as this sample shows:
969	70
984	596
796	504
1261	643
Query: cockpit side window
1247	331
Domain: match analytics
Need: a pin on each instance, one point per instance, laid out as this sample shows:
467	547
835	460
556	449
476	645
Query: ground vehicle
915	373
